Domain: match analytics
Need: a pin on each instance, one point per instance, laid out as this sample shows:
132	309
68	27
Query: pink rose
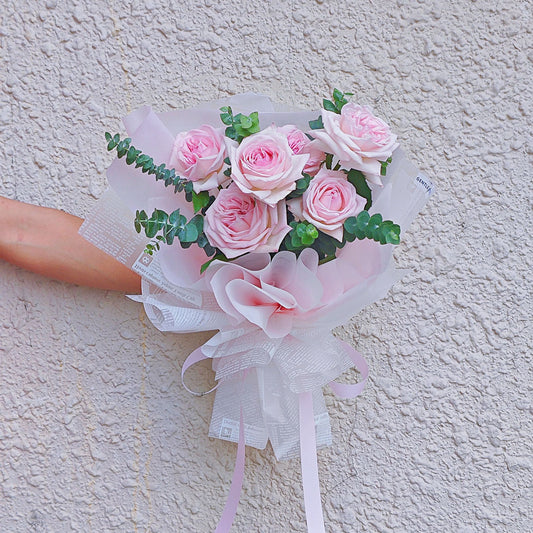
264	166
328	201
301	144
198	155
237	223
358	138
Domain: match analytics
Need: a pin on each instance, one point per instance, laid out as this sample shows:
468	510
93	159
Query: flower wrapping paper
274	316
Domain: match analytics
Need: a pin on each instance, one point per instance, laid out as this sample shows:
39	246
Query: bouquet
272	226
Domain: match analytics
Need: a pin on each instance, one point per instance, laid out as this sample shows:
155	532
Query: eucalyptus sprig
144	162
302	235
165	228
239	126
364	226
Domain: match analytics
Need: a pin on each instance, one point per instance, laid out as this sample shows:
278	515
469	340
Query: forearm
46	241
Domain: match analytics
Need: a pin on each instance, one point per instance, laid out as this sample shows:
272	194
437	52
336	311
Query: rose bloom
237	223
198	155
328	201
358	138
301	144
264	166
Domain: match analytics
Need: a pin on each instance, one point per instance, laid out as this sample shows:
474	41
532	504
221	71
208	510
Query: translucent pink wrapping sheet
274	317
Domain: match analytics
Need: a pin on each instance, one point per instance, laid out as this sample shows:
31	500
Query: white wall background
96	432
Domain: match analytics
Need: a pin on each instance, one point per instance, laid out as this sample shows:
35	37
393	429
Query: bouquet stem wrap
274	350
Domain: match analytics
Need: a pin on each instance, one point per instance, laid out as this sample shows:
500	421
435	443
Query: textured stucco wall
97	434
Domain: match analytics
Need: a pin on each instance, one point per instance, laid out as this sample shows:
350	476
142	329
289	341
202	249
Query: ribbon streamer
311	484
230	509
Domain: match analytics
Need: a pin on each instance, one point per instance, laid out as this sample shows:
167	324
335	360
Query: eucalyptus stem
145	162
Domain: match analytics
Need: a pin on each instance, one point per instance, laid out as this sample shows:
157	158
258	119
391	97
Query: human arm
46	241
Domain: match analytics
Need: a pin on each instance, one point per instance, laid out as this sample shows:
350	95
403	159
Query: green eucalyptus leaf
393	235
226	118
246	122
307	239
312	231
121	149
160	216
231	133
316	124
349	237
131	155
254	128
350	224
362	219
373	227
188	234
175	218
151	228
170	233
141	160
198	222
301	230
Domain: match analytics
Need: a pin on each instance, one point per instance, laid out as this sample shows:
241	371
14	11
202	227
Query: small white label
229	430
424	182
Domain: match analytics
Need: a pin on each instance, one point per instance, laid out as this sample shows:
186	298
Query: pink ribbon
230	509
312	502
310	479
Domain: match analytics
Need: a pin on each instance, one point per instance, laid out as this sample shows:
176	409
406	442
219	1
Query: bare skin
46	241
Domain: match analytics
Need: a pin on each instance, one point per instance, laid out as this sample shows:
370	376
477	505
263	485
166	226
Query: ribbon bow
261	375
